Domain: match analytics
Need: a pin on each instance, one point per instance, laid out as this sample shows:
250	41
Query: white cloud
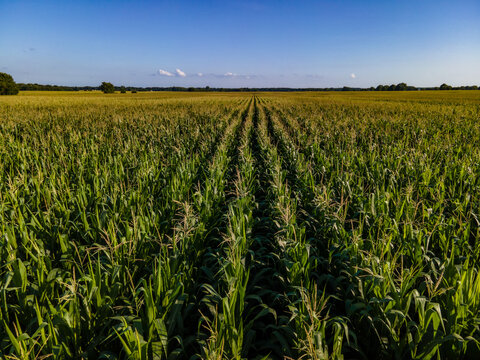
164	73
229	74
180	73
200	74
353	76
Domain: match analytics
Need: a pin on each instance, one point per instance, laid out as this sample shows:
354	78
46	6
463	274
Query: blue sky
241	43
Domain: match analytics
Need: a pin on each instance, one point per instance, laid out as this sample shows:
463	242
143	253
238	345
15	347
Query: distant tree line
405	87
121	89
399	87
9	87
39	87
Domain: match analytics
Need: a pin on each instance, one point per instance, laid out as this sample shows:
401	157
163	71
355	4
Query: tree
7	85
107	88
123	90
445	87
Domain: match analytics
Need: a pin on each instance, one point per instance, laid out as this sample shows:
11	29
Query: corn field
240	226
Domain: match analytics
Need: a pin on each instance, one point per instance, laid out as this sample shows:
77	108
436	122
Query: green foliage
107	88
7	85
232	226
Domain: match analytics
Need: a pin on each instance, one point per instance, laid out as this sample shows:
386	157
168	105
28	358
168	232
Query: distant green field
167	225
